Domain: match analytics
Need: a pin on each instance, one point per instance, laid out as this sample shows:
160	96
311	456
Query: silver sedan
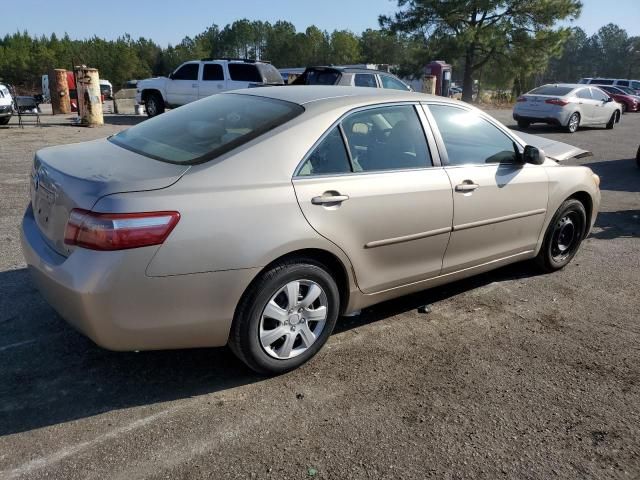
256	218
567	105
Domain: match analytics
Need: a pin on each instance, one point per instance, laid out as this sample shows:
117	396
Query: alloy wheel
573	122
293	319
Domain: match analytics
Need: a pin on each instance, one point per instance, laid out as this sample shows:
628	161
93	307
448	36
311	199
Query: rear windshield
244	72
317	77
551	90
270	73
205	129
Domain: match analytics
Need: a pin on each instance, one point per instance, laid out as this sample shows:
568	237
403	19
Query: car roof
348	69
305	94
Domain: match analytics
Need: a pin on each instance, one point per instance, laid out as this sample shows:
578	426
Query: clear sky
168	21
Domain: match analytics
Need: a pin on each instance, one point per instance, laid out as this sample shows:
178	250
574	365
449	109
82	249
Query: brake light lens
521	99
118	231
557	101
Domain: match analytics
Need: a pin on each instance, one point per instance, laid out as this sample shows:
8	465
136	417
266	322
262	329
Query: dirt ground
512	375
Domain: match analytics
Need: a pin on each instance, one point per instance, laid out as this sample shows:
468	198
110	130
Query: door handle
329	198
466	186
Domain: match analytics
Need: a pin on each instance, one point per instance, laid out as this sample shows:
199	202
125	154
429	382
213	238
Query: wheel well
146	93
585	199
327	259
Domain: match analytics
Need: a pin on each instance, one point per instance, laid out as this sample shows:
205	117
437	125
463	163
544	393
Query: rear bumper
108	297
533	119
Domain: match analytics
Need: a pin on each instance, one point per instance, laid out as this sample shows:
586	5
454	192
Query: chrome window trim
430	141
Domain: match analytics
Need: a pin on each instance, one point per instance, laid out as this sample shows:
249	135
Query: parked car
106	89
257	217
568	105
6	104
628	102
349	76
638	157
198	79
617	82
630	91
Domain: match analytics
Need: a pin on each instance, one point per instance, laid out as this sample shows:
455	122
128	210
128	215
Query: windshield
205	129
554	90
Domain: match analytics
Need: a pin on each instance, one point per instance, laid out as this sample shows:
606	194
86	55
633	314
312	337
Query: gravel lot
512	375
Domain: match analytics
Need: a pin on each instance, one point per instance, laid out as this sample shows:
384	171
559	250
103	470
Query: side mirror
609	99
533	155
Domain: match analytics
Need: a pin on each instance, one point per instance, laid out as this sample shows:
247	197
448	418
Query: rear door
241	75
499	204
365	80
182	88
213	80
380	197
586	104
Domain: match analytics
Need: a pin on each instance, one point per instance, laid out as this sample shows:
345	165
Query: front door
499	204
182	88
602	109
380	200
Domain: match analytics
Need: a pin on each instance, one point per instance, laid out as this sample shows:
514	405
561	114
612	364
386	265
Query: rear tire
154	105
523	124
274	331
574	123
612	121
563	236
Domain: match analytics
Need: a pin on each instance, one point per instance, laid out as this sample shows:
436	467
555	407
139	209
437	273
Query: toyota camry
257	218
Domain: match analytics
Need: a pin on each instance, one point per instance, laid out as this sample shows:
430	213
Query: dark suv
355	77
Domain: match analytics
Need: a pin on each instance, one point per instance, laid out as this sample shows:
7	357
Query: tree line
503	44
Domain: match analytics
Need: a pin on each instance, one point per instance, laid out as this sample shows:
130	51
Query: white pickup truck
200	78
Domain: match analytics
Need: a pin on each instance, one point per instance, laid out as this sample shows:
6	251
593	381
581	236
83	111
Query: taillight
118	231
557	101
521	99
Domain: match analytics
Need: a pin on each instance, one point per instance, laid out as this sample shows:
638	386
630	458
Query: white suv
198	79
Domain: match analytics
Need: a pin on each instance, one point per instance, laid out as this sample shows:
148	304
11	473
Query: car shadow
124	119
538	128
51	374
617	175
622	224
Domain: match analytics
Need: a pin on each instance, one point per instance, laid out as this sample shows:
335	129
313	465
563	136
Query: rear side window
624	83
212	71
471	139
584	93
244	72
393	83
187	72
386	138
329	157
365	80
551	90
203	130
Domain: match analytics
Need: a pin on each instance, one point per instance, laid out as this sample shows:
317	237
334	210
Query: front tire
285	317
154	104
612	121
522	124
563	236
574	123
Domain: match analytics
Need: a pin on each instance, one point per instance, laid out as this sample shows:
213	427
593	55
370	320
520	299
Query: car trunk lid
78	175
